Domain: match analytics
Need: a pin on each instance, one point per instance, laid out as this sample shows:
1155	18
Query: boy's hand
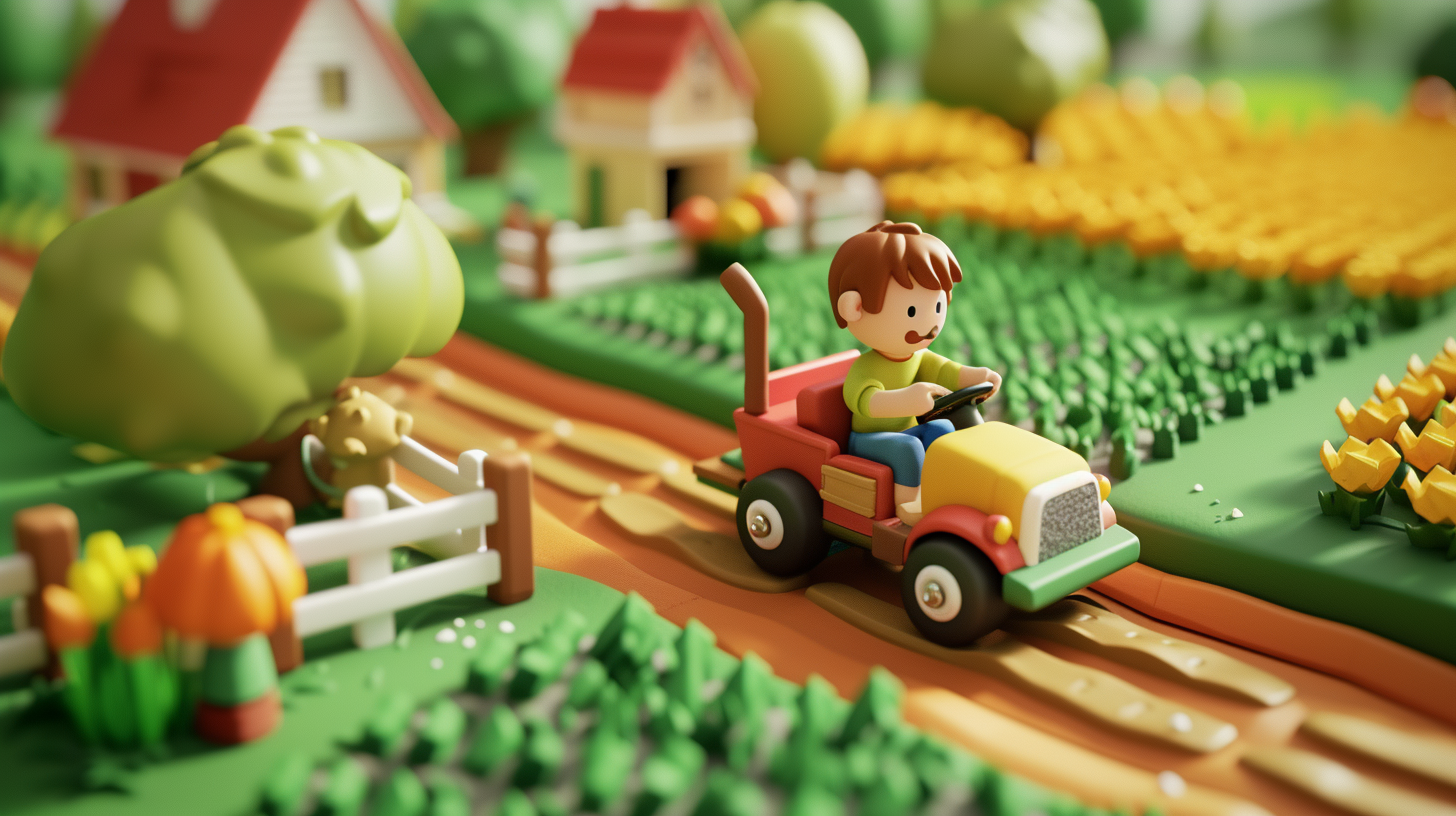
972	375
912	400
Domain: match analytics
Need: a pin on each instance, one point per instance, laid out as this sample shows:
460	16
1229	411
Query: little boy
897	379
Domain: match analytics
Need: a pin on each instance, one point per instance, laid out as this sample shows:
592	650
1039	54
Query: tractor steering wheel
960	406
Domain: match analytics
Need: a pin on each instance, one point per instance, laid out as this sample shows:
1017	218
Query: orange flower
1436	445
136	632
67	622
1360	468
1435	498
1374	420
224	577
1443	366
1420	393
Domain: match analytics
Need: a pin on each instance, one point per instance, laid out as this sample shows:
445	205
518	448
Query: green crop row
641	717
1098	348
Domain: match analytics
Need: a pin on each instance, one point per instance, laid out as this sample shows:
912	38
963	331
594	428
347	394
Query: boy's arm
868	397
953	375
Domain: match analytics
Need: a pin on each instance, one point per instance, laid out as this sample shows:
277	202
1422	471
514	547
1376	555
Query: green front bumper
1033	588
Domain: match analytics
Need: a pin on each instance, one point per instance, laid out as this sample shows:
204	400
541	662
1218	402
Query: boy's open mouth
913	336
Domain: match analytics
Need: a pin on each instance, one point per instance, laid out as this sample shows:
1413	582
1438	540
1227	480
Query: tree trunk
285	476
485	148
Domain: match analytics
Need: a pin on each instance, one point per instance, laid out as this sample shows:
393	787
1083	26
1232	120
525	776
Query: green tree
1122	18
1017	58
1438	56
888	29
492	63
40	41
228	305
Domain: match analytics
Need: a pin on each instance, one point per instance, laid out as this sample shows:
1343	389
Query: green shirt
874	372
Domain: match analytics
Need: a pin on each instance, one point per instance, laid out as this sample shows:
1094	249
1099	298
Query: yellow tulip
1434	446
143	559
1443	365
97	588
105	548
1421	393
1360	468
1374	420
1369	274
1435	498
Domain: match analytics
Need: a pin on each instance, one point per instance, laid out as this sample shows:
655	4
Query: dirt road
598	445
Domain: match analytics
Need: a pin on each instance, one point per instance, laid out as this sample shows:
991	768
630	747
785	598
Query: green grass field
1090	343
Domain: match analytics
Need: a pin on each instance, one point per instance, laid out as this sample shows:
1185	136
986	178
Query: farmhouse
656	106
170	75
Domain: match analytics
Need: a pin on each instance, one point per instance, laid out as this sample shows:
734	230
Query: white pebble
437	663
459	623
445	636
468	642
1198	488
1181	722
480	623
1171	784
507	627
1237	513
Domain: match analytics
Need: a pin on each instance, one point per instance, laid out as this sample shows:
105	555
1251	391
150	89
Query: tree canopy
227	305
888	29
490	61
1017	58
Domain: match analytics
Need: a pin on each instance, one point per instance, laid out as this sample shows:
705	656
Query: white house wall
330	34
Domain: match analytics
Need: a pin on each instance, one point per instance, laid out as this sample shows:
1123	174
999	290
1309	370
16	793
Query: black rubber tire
804	543
982	611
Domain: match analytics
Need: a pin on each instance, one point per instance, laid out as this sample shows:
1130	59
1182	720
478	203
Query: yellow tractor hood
992	467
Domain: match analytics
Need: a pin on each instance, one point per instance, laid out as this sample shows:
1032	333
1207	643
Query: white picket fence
23	650
580	260
377	520
585	259
838	204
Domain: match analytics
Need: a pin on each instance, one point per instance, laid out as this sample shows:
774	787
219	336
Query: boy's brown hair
867	262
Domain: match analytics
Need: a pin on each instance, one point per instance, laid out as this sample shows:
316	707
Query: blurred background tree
492	63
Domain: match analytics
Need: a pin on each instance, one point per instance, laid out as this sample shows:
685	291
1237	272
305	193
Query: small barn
168	76
656	106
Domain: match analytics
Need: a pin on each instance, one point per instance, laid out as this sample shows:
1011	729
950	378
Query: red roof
150	85
637	50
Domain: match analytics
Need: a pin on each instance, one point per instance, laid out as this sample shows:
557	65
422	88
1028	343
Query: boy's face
906	323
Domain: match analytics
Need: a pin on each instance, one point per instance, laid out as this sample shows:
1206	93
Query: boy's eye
937	307
912	311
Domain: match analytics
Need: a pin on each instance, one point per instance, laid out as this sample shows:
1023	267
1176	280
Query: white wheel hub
765	525
938	593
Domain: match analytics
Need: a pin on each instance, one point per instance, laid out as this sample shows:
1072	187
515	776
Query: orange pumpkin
224	577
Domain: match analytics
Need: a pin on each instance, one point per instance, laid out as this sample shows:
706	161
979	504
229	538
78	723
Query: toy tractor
1011	519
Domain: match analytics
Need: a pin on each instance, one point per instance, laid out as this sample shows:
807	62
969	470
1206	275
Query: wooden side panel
880	473
849	490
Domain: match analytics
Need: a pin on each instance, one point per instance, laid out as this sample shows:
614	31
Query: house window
703	76
95	187
334	87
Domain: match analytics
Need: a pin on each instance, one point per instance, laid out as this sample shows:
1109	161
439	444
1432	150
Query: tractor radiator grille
1073	518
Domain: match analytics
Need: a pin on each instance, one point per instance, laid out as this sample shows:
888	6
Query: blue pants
903	451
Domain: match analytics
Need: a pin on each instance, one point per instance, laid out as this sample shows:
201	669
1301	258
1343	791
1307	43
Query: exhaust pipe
745	292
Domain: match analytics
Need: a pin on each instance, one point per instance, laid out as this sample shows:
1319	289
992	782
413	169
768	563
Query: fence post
509	475
810	215
541	229
51	536
277	512
363	502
